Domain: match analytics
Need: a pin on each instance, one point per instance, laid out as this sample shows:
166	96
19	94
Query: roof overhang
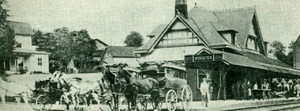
209	55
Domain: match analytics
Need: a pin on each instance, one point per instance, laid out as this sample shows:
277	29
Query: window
229	36
18	45
251	43
177	38
40	63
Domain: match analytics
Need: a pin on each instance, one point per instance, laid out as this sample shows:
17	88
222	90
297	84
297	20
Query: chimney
181	8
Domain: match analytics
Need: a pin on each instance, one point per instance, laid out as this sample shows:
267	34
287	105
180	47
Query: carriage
173	85
45	95
172	89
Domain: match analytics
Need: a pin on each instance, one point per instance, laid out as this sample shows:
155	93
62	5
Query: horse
14	89
143	86
75	87
125	82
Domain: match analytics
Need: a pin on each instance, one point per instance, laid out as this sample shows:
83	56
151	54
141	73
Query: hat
122	64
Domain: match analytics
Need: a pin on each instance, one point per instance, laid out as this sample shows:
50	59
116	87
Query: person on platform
255	86
204	89
249	89
265	84
297	89
245	89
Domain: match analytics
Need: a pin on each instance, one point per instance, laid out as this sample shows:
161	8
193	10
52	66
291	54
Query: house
296	56
224	46
28	59
120	54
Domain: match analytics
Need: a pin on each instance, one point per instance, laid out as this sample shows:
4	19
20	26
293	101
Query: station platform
239	104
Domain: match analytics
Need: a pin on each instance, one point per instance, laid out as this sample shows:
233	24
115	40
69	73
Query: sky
112	20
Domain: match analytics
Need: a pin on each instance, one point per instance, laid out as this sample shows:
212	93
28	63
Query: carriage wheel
186	98
158	106
171	100
43	102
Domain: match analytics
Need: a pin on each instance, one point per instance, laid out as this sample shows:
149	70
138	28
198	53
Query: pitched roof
156	32
121	51
239	20
206	24
101	42
21	28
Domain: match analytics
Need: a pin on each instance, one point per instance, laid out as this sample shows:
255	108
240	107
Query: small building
29	59
120	54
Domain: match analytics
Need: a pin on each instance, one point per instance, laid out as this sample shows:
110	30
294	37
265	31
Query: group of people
242	90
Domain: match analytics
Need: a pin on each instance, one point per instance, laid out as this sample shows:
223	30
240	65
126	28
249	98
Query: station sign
204	56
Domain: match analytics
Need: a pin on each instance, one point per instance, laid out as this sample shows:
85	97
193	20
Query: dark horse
133	87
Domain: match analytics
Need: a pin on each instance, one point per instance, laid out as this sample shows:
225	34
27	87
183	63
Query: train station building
225	46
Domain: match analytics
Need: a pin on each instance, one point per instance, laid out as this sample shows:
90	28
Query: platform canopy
241	58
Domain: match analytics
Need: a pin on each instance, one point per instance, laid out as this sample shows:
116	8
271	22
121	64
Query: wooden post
224	85
220	84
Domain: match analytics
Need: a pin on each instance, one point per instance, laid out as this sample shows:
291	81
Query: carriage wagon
45	95
173	85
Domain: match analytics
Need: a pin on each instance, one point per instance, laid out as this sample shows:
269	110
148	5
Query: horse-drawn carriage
46	94
62	90
151	86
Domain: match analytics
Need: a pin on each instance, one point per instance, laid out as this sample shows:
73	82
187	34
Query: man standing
204	89
245	89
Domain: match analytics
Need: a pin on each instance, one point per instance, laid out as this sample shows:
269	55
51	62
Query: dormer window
251	43
229	36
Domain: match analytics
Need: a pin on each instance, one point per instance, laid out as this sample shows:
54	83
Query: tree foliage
134	39
64	45
279	51
7	37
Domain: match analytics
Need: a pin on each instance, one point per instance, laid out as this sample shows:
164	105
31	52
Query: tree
7	37
134	39
38	35
279	51
64	45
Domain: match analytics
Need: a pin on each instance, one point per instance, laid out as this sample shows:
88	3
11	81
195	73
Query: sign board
203	56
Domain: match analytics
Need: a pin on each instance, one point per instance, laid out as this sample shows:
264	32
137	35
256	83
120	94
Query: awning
210	55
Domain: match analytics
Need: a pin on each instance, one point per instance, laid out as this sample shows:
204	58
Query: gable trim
168	27
203	50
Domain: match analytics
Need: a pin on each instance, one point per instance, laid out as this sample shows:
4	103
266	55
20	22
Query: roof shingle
121	51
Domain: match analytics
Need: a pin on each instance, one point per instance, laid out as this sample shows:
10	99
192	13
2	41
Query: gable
178	34
204	52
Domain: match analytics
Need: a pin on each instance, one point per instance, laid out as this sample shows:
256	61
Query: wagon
45	95
173	89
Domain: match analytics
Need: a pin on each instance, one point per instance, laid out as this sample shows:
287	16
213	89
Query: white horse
15	90
75	86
